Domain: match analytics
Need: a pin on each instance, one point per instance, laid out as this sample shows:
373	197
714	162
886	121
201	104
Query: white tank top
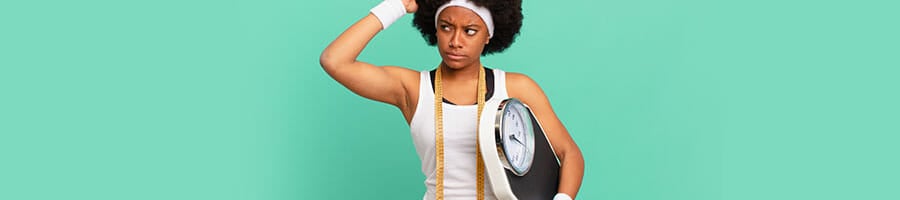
459	141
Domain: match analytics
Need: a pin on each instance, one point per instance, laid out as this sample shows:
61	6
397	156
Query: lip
453	56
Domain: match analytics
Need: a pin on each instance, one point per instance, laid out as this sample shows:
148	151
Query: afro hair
507	16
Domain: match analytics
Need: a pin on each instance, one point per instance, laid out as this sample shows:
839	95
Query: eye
445	27
471	31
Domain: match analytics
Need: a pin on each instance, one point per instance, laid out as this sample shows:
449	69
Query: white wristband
562	196
389	11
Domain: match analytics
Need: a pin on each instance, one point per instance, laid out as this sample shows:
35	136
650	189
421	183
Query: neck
462	74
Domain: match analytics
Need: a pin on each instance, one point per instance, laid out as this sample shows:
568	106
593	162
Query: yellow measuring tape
439	133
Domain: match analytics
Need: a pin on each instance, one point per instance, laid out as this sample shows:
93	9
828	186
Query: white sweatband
562	196
388	12
482	12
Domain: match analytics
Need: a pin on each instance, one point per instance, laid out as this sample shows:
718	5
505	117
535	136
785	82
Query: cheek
477	46
442	39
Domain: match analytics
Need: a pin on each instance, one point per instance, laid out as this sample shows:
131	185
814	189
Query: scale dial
515	136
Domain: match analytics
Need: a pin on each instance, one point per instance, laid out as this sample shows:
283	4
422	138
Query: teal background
667	99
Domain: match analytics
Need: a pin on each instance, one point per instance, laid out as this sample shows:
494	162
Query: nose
455	40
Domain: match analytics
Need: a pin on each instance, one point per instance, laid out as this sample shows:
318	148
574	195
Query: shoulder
520	83
523	87
518	79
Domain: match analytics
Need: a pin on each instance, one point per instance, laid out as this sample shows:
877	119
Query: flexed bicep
384	84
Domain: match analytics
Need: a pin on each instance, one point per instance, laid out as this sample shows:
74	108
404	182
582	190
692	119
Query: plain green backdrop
687	100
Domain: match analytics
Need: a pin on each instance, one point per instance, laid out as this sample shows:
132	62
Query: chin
456	64
453	64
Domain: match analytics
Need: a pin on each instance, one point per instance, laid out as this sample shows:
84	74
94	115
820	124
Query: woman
463	30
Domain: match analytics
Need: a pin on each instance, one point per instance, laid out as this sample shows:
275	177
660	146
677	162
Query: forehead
460	15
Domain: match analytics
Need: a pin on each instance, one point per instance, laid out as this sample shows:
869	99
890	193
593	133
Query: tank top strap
500	84
426	92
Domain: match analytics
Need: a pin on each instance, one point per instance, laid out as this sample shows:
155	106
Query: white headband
482	12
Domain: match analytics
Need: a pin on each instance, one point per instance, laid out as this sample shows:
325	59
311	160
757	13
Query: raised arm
385	84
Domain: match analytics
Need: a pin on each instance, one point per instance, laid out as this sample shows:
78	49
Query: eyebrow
467	26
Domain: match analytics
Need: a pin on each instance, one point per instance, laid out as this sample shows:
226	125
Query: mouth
455	56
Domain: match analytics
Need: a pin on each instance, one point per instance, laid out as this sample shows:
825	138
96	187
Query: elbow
579	158
326	60
331	61
572	156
